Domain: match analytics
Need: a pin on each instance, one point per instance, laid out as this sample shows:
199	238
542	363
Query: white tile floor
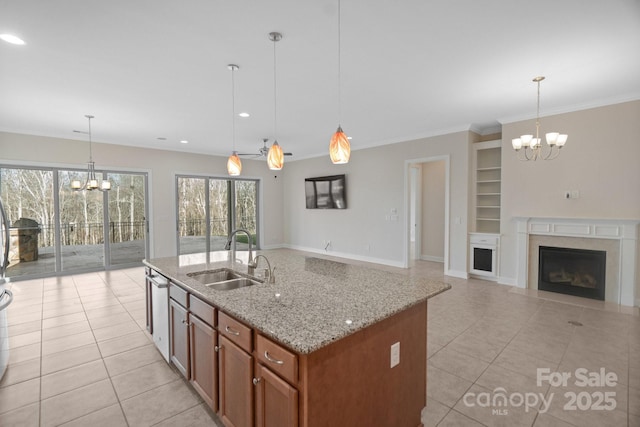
80	356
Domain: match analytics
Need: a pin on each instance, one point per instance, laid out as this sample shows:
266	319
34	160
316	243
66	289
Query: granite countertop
314	301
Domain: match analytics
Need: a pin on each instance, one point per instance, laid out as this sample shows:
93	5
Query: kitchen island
327	344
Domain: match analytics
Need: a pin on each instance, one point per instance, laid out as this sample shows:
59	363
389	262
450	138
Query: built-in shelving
487	186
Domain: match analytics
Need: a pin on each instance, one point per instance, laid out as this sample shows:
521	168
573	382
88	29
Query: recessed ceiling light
244	114
10	38
184	141
161	138
348	137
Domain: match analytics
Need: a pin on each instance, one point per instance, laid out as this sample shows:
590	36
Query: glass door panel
27	195
192	213
218	213
81	224
127	220
246	210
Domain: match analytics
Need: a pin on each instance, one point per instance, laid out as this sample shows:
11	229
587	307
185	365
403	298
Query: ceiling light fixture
92	182
533	148
234	165
244	115
275	158
339	147
10	38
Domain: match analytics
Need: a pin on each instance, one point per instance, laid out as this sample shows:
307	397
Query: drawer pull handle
256	381
231	331
271	359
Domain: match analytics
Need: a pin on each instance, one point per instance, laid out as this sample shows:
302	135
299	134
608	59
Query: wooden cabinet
193	343
235	368
276	400
204	360
179	333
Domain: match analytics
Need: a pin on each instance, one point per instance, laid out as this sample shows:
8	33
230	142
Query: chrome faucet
251	264
268	274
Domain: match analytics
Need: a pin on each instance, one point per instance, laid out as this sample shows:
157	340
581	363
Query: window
208	209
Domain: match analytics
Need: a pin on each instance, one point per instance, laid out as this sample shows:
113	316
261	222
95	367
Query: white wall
600	160
162	167
433	199
375	187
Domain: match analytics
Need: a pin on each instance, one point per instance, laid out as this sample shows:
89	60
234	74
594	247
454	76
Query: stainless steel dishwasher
160	313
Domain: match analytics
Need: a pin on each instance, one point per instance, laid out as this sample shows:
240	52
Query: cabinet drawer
234	330
203	310
485	239
277	358
178	294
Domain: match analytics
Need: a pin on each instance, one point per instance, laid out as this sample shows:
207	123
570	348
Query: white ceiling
410	68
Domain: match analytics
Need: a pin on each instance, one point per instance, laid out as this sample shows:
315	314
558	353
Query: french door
208	209
55	229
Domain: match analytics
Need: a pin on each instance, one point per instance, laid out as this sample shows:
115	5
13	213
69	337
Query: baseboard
432	258
344	255
276	246
511	281
456	273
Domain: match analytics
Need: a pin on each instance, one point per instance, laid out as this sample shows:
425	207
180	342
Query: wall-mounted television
326	192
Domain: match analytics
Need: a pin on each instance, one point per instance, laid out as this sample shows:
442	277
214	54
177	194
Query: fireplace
579	272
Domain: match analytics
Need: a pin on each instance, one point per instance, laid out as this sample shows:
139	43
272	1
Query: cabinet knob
256	381
185	322
216	348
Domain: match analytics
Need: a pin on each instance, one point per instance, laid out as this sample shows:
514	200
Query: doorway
427	190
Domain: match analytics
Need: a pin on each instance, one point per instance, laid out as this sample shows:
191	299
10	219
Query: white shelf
487	185
495	168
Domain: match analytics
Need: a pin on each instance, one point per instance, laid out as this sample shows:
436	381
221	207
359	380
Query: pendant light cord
90	141
233	108
339	70
275	92
538	113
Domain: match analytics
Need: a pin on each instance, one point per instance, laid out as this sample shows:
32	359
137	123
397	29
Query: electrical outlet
575	194
395	354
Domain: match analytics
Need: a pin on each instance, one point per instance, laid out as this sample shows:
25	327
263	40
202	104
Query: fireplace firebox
571	271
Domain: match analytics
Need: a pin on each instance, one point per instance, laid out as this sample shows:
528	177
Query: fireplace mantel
624	231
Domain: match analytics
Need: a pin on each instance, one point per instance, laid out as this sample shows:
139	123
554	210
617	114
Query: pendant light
339	147
92	182
234	165
275	157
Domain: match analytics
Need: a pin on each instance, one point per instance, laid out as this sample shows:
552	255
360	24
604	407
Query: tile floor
80	356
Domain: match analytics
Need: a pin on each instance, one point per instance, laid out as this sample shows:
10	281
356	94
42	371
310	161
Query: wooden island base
350	382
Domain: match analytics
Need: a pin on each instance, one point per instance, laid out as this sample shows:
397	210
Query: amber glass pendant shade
339	148
234	165
275	158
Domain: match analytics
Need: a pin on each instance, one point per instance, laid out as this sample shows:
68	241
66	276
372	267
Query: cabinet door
235	376
204	377
179	331
276	400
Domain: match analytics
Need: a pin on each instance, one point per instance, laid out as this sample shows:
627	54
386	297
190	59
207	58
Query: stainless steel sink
232	284
214	276
223	279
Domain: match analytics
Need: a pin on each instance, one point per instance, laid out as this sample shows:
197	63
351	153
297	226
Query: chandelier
92	182
532	148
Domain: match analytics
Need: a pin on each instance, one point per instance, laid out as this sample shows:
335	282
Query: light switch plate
395	354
